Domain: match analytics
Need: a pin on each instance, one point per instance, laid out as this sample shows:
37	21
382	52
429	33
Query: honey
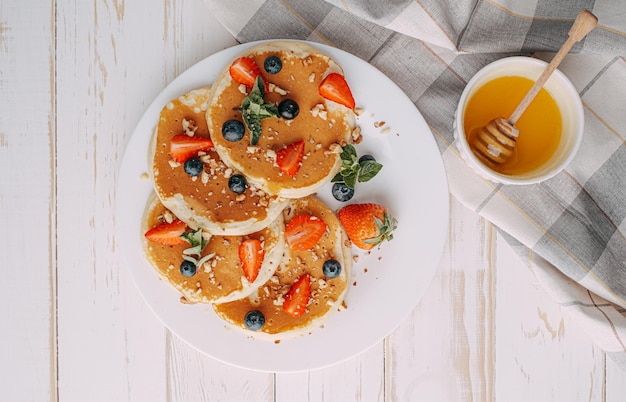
539	127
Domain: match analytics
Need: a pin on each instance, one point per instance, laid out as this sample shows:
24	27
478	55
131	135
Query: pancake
327	294
204	201
221	277
324	126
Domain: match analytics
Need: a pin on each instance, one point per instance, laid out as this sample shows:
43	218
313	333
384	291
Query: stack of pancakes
206	203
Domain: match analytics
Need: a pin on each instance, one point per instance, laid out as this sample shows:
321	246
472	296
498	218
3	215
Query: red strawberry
335	88
251	255
167	233
297	298
304	231
289	159
244	71
183	147
367	224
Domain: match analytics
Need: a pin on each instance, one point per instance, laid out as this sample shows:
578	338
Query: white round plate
386	283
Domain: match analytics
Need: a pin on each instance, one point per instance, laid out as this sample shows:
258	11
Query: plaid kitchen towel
569	229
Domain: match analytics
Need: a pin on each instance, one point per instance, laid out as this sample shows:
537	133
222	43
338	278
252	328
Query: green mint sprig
353	171
254	109
198	243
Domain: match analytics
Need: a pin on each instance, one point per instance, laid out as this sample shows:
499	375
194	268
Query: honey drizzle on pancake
326	293
218	277
208	194
322	129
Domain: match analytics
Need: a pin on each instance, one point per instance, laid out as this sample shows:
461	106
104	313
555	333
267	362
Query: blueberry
194	166
342	192
237	184
331	268
288	109
233	130
188	269
254	320
273	65
366	158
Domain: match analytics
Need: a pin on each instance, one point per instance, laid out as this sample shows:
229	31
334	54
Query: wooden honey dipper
494	143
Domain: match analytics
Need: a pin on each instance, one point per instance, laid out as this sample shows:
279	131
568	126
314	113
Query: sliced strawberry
297	298
289	159
251	255
183	147
335	88
167	233
244	71
304	231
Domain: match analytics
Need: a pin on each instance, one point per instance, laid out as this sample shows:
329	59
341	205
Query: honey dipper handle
584	23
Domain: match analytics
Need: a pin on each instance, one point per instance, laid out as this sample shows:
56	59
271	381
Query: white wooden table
75	77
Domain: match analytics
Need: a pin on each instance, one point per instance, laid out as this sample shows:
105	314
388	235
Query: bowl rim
485	171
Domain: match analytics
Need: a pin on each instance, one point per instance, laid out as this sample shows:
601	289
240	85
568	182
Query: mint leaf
369	169
348	154
350	178
268	110
253	110
197	242
337	179
352	171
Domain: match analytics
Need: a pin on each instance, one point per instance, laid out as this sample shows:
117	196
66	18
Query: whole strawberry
367	225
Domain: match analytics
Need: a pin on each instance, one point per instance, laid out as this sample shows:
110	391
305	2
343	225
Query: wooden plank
105	329
27	216
444	352
360	378
541	353
104	333
193	376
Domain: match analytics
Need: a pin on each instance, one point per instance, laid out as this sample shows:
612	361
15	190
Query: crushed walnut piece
189	127
356	135
319	111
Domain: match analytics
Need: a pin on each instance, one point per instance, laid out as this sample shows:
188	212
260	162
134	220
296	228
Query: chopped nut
189	126
279	301
277	89
356	134
270	154
319	111
168	217
334	149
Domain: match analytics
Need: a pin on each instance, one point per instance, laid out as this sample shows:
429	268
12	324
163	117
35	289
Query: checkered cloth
569	229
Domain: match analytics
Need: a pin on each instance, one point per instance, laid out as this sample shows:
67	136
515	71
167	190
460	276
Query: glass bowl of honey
550	130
